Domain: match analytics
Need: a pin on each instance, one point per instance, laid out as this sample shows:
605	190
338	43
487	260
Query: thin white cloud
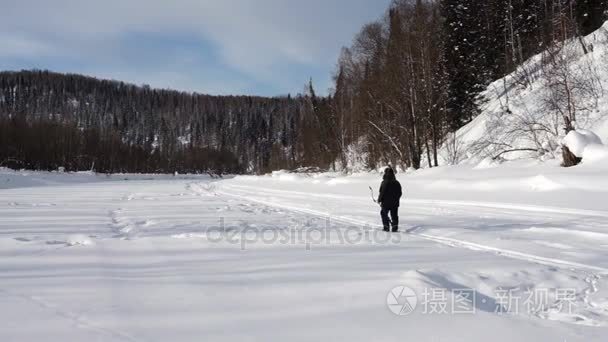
165	79
255	37
19	46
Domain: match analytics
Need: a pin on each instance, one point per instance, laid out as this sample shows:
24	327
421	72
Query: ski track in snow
229	191
76	320
593	274
139	231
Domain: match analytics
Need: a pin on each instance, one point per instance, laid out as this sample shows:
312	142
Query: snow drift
578	141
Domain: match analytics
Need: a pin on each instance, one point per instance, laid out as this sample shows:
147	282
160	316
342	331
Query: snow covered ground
517	252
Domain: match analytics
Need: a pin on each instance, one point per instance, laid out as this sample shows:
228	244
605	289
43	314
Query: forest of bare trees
407	82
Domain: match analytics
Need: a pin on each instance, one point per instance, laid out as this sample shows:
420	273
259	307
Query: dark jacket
390	191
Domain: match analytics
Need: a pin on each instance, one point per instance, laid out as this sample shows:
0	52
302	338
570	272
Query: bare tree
455	149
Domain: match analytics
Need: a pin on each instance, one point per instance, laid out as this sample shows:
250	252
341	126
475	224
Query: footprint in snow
23	239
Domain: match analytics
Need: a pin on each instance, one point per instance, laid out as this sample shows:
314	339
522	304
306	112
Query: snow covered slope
521	115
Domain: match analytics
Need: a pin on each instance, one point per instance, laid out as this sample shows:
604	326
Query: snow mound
542	183
284	175
79	240
487	163
577	141
189	236
595	154
338	181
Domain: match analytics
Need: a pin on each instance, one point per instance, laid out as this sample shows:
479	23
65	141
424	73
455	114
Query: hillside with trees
50	120
412	79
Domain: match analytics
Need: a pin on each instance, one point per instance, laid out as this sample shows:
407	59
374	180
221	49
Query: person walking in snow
389	198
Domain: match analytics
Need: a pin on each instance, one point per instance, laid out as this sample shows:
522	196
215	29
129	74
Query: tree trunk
569	159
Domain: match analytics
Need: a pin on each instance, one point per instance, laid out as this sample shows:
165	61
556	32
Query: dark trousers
393	221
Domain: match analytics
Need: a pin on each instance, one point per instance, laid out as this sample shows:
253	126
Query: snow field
191	259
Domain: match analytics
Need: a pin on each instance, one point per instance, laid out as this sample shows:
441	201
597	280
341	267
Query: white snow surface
189	258
577	141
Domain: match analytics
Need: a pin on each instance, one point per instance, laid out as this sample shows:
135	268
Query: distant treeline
49	145
52	119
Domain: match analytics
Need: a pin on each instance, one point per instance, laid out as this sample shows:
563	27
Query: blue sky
256	47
